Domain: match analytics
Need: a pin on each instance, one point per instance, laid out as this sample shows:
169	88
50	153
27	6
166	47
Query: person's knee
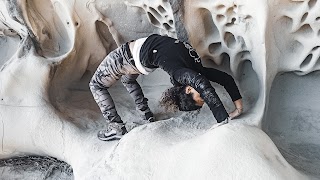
126	80
94	85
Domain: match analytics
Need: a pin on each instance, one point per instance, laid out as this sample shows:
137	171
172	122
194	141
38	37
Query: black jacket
184	66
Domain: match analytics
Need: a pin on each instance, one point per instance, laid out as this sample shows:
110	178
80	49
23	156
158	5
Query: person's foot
235	113
147	115
114	131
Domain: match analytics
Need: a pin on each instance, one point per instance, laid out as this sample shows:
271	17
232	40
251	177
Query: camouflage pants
117	64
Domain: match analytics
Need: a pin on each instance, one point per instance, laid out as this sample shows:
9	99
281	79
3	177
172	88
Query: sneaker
226	121
147	115
114	131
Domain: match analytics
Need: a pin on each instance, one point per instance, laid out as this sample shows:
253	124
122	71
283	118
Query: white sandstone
50	49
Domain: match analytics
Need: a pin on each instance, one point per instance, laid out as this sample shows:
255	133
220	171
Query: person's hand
235	113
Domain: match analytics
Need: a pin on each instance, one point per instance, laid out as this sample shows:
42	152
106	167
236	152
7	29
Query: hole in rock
306	61
153	20
171	22
209	27
220	17
76	23
105	36
315	48
214	48
248	17
230	12
155	13
304	17
311	3
305	30
220	7
318	19
161	9
242	42
58	39
233	20
231	23
248	78
293	119
166	26
225	57
229	40
243	55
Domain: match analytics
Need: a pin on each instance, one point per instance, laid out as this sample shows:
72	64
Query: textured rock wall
50	49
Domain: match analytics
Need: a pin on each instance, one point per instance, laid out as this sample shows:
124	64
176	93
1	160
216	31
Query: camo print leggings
118	64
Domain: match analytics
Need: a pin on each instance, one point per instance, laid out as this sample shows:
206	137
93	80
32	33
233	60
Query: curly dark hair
176	98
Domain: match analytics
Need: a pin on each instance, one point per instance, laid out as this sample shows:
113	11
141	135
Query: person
179	59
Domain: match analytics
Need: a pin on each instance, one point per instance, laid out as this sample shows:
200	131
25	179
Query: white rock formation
50	49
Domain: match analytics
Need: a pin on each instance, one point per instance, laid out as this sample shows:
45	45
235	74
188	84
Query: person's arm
224	80
189	77
174	82
229	84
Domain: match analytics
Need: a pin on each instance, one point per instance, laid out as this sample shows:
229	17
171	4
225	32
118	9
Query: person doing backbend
179	59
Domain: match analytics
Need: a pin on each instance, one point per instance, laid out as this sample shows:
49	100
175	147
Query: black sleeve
174	82
202	85
224	80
